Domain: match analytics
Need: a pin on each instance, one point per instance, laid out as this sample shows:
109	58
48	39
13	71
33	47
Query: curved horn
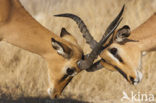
85	64
83	28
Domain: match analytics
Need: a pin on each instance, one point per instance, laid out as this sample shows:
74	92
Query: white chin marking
113	57
140	75
135	83
139	78
50	91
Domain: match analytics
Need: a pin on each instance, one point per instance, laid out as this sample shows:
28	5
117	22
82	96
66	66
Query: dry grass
23	74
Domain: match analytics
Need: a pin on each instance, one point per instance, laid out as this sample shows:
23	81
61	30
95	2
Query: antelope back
4	10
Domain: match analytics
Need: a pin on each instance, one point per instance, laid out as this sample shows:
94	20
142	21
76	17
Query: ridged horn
88	62
83	28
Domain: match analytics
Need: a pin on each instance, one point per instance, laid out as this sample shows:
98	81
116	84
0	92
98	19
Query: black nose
132	80
56	96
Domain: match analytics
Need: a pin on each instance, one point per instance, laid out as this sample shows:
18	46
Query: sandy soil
23	75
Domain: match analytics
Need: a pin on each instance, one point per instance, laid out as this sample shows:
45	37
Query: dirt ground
23	75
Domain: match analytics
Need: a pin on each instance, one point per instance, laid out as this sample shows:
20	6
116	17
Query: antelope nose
55	96
52	93
137	79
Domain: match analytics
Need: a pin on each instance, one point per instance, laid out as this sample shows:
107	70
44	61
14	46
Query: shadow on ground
40	100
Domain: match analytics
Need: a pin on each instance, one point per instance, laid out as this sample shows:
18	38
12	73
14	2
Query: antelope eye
70	71
113	51
125	34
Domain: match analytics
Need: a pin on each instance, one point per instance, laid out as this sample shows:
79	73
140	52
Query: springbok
122	51
63	55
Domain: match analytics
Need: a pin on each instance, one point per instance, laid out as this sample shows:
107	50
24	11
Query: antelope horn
88	62
83	28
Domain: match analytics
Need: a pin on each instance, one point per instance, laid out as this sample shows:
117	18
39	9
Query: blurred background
23	75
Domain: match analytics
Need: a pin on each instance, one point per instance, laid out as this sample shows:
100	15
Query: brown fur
24	74
131	52
21	30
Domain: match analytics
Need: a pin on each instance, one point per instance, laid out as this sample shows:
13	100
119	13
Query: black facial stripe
120	71
114	52
117	68
103	60
67	83
119	58
63	78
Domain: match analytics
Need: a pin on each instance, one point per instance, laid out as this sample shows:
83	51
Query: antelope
62	53
124	49
126	55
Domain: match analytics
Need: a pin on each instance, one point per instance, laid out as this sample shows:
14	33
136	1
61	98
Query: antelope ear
61	48
122	34
64	32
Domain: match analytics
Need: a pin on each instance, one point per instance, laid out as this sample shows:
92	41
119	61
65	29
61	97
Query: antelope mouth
130	79
138	79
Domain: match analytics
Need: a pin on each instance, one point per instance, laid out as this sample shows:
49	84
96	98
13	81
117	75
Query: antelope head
123	55
63	68
126	49
107	47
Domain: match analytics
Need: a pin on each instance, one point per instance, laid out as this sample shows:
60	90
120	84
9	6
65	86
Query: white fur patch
51	86
144	53
119	39
50	91
59	48
139	78
140	63
139	75
113	57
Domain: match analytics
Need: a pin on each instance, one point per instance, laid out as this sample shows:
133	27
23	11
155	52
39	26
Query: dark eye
125	34
113	51
70	71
